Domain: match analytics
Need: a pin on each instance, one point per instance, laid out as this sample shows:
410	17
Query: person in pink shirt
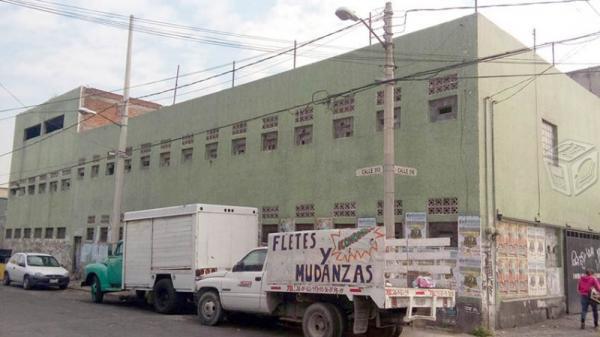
584	287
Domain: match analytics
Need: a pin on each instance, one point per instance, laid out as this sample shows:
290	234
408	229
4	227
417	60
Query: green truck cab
105	276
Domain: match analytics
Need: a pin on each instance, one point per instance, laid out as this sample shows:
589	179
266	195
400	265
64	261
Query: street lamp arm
373	32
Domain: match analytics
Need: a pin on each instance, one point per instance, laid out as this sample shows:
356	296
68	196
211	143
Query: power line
11	94
418	76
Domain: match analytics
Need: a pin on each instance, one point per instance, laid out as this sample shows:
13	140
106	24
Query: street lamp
388	112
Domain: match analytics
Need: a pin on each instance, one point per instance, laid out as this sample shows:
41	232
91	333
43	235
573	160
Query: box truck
164	250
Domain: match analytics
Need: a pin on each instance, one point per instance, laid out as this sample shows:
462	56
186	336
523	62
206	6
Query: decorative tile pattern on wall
239	128
304	114
442	205
344	209
187	140
146	148
305	210
344	104
165	144
441	84
212	134
397	96
270	212
397	207
270	122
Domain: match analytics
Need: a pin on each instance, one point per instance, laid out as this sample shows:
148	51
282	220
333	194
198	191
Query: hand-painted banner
327	257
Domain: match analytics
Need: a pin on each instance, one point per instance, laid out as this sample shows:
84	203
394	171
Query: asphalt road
70	313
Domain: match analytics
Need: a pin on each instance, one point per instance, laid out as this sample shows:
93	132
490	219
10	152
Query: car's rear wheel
26	282
210	311
6	279
321	320
165	297
96	290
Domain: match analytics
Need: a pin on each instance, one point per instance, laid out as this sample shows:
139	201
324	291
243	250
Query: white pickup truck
328	279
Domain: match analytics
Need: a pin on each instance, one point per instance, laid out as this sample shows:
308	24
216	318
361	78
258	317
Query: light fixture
346	14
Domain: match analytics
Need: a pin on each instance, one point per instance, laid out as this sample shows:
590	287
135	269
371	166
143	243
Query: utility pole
389	180
233	75
121	150
295	49
176	83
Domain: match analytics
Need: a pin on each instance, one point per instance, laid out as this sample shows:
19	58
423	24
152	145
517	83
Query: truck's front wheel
210	311
96	290
322	320
165	297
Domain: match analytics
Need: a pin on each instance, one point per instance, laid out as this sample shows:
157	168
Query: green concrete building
523	167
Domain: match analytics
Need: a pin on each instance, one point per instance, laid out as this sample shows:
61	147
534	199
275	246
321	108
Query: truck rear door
241	288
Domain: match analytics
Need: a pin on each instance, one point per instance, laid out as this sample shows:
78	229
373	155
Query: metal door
582	250
76	256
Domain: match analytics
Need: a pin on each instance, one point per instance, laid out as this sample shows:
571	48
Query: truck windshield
42	261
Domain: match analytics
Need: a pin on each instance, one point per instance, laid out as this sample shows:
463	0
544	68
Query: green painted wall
445	153
521	175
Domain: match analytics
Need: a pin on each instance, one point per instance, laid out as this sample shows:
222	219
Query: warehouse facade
491	172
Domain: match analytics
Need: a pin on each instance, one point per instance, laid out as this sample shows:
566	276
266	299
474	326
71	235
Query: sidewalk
566	326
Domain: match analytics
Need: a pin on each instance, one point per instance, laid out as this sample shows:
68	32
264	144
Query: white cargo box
184	241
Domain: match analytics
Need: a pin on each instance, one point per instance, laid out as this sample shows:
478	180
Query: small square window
165	159
61	232
303	135
103	234
269	141
550	142
444	230
27	233
53	186
8	233
54	124
80	172
443	108
33	131
49	233
397	116
238	146
120	233
89	234
127	165
17	233
42	188
187	155
343	127
95	171
110	169
31	189
65	185
144	162
266	230
37	233
212	151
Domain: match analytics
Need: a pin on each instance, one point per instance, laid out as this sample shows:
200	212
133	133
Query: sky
44	55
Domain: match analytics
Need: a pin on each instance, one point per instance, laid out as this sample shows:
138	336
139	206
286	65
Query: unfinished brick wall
107	104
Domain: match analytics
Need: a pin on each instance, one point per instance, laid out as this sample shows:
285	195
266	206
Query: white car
35	269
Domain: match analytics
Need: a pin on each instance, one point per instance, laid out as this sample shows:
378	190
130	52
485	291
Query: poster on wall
536	245
552	248
553	282
415	225
469	250
324	223
286	225
469	278
469	237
